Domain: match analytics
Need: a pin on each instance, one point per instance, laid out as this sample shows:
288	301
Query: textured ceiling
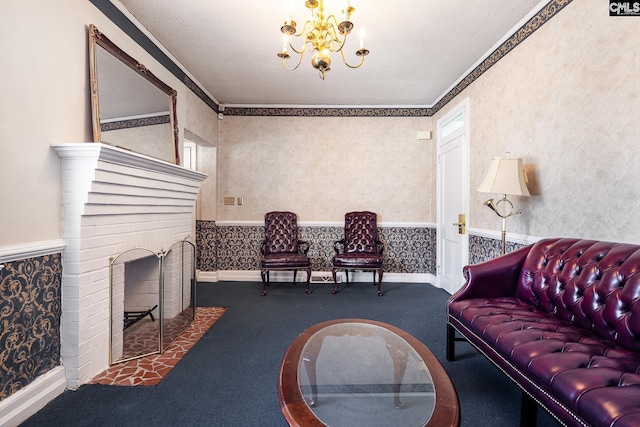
419	48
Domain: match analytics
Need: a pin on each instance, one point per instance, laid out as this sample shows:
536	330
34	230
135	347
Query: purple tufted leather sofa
561	318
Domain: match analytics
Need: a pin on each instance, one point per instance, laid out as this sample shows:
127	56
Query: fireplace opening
152	299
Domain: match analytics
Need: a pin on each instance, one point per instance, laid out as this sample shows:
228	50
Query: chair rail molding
31	250
495	234
327	224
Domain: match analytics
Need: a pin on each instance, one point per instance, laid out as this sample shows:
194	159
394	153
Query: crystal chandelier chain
322	35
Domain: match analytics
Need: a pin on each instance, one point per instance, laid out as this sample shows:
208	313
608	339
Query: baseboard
286	276
16	408
239	275
367	276
207	276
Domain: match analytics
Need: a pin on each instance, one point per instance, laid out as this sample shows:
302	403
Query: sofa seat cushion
622	403
572	364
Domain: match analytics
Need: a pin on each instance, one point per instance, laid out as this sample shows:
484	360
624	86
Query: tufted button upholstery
361	248
280	233
562	318
281	249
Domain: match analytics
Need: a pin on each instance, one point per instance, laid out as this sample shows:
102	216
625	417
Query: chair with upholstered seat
281	249
361	248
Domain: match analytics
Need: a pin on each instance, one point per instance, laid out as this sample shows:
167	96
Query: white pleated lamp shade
505	176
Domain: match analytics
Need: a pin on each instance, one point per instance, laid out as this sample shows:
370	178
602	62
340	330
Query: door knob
462	225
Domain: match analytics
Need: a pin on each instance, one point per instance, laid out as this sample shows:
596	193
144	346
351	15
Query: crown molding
132	28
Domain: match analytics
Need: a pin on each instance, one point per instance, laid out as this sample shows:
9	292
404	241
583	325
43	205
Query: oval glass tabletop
354	372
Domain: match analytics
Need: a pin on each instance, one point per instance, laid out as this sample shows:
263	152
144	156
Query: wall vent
324	277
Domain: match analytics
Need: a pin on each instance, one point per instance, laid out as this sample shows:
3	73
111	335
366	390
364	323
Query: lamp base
504	215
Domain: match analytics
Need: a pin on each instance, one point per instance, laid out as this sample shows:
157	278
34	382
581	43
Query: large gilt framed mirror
131	107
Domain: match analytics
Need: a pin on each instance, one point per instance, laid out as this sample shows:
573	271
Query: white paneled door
453	198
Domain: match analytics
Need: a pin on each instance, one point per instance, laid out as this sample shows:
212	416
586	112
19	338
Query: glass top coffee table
355	372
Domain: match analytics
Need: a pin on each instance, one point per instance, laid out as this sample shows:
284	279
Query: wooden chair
361	249
281	249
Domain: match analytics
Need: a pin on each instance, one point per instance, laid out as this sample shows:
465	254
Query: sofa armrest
497	277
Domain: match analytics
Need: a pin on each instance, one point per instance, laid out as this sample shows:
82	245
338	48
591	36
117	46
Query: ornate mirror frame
97	39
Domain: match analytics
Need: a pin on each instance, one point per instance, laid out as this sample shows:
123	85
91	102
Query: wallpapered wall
407	249
322	167
29	320
565	100
34	165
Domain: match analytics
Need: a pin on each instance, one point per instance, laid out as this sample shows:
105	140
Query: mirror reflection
132	108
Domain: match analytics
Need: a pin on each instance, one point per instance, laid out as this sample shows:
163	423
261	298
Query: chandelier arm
347	63
306	42
335	38
300	55
299	52
304	29
335	20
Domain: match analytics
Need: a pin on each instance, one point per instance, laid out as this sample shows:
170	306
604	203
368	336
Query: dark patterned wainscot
237	247
206	242
485	248
29	320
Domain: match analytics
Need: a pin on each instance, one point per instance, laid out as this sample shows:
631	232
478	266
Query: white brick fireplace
113	200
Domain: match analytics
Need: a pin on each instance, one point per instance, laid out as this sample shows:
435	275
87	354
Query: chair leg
294	276
265	278
379	282
335	281
308	279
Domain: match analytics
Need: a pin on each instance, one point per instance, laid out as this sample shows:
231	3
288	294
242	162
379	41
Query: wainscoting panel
206	245
30	308
485	248
237	247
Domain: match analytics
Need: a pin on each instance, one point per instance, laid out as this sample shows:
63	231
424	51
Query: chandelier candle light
322	35
505	176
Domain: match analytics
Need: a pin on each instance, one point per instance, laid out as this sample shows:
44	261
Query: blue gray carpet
229	378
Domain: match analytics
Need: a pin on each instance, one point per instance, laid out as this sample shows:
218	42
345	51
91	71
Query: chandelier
322	35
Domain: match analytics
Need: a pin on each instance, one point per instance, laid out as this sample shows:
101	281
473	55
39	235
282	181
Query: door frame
461	108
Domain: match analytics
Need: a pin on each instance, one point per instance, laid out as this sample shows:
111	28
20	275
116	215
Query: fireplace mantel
109	153
112	200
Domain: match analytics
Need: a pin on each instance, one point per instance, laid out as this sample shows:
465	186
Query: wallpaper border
532	25
543	16
135	123
329	112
